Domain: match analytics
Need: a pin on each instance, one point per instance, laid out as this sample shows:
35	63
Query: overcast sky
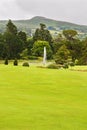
74	11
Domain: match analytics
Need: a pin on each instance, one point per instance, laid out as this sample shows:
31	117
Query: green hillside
32	24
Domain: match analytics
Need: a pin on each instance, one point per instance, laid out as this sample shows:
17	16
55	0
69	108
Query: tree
75	48
43	34
83	58
42	26
57	43
38	49
23	37
11	28
2	46
62	55
69	34
73	43
13	43
30	43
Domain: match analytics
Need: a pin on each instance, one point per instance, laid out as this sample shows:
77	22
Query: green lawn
42	99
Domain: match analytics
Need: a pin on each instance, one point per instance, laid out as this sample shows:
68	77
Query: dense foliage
64	48
38	49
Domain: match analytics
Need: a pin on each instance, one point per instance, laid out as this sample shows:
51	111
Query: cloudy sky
74	11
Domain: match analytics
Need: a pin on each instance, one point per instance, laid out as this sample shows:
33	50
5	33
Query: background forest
65	47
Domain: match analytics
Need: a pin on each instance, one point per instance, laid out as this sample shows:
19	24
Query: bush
15	62
33	57
65	66
6	61
26	64
71	64
59	60
76	62
54	66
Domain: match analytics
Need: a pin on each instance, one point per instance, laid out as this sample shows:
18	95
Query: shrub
6	61
15	62
24	54
54	66
33	57
26	64
71	64
76	62
66	66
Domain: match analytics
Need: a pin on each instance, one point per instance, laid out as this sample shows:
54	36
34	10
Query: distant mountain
31	24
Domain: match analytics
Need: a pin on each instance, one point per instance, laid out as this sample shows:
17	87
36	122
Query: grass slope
37	99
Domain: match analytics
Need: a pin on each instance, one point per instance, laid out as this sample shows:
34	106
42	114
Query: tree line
66	47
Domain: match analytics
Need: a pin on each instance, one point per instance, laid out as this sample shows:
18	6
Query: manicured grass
42	99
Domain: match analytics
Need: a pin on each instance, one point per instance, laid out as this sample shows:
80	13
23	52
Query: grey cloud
64	10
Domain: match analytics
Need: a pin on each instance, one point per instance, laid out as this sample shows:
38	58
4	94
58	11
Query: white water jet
44	56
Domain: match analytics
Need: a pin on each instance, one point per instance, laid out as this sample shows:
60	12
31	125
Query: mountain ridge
28	24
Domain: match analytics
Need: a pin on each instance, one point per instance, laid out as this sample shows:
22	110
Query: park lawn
33	98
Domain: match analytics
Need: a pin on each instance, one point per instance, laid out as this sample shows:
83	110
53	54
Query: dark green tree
42	26
62	55
75	48
2	46
13	43
43	34
30	43
22	35
83	58
11	28
58	42
73	43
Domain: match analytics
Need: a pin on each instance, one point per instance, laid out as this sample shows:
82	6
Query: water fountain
44	56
